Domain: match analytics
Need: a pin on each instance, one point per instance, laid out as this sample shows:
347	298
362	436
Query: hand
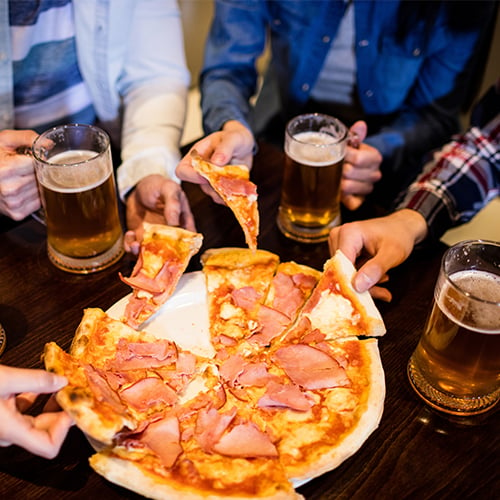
233	144
157	200
18	188
43	434
387	240
361	169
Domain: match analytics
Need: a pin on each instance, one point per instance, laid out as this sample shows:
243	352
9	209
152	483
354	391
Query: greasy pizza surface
283	400
164	255
232	183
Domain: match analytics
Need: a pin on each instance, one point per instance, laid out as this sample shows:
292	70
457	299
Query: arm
425	115
229	77
460	181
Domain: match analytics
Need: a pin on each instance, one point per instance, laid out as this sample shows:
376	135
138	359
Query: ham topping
210	425
246	441
235	371
147	393
271	324
237	187
311	368
101	390
163	438
285	396
136	355
246	297
288	298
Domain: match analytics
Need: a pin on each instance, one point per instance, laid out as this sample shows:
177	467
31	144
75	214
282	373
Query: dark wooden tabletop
415	452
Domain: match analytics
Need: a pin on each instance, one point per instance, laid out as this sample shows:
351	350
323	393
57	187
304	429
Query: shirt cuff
152	161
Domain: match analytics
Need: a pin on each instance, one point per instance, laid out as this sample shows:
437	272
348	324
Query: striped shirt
48	86
461	180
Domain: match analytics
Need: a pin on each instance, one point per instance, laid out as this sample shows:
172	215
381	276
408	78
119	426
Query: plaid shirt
461	179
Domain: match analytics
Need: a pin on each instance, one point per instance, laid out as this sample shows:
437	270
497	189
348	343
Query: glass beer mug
456	365
75	176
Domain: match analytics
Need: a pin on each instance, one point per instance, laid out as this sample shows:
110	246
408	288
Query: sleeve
460	181
429	114
229	77
154	87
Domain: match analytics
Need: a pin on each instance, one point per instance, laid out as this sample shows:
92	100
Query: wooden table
415	453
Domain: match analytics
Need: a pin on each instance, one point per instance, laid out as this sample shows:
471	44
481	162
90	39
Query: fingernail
363	282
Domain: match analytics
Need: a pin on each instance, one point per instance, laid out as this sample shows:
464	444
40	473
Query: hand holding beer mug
77	188
456	365
315	146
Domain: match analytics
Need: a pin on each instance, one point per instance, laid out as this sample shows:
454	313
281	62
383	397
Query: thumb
18	380
359	129
368	275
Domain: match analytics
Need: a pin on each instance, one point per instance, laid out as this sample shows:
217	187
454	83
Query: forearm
152	128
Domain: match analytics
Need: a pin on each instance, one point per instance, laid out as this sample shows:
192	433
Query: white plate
183	318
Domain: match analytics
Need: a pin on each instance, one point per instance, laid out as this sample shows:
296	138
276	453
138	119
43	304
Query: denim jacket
419	83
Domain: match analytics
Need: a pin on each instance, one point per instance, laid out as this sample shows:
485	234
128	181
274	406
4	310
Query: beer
80	205
458	356
310	196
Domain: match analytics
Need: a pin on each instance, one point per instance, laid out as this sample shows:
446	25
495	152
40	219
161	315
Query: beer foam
316	149
65	178
482	313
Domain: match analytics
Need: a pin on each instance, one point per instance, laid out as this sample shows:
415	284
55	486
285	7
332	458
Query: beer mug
77	188
456	365
315	146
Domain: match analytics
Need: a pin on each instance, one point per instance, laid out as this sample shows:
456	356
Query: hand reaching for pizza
156	200
388	241
233	144
42	434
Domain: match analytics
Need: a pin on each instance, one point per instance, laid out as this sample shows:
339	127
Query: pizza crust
130	475
370	410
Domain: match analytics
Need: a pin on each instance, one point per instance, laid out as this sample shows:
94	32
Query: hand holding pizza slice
232	183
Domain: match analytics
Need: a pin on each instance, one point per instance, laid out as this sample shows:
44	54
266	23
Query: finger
380	293
18	380
17	138
352	201
359	129
25	400
130	242
350	243
42	435
187	218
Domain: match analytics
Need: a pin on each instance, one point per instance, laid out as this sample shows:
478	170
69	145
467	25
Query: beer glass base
445	402
305	234
90	264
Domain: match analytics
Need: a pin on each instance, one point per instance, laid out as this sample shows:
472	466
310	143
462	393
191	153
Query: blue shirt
417	85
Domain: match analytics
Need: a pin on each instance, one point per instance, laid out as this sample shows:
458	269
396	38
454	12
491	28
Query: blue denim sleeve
229	77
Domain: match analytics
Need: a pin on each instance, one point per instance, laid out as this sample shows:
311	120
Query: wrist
414	222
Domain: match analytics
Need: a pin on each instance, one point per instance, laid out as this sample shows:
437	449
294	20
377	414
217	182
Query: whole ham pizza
295	385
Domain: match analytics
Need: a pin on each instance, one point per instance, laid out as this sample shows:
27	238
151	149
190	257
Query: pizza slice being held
238	281
232	183
164	255
335	308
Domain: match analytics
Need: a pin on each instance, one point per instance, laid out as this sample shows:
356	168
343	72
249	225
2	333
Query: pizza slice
237	280
232	183
119	379
164	255
335	308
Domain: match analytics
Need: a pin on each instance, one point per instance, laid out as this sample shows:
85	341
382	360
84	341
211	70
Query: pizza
232	183
164	255
294	387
